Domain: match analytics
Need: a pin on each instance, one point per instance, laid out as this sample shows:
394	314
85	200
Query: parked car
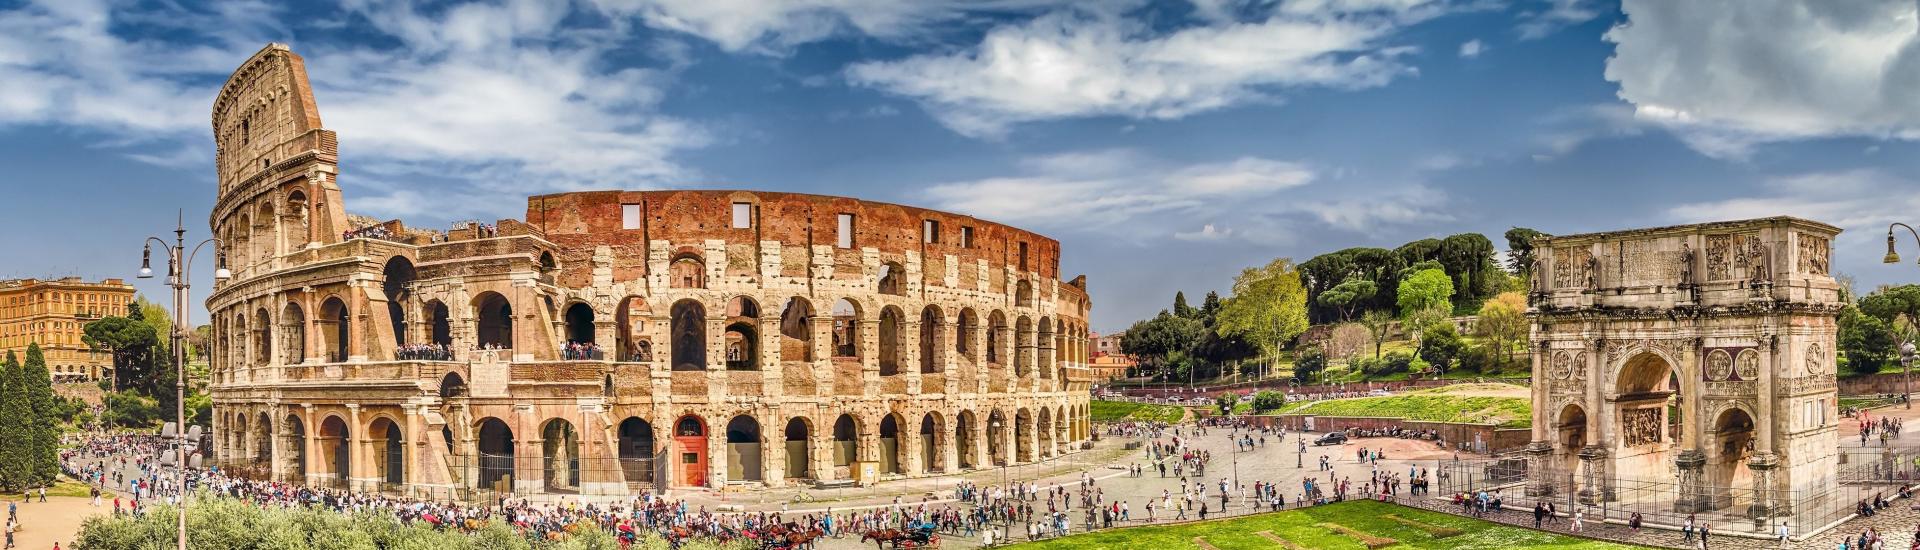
1330	438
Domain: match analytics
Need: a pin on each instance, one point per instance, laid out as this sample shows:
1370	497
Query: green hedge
1124	411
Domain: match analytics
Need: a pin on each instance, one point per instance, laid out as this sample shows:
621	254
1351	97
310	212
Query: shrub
1308	364
1268	400
1390	363
1439	344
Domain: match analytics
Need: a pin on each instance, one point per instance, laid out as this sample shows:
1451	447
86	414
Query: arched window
495	321
442	323
893	279
338	324
930	321
398	288
687	271
1023	294
580	323
796	330
689	329
889	341
846	329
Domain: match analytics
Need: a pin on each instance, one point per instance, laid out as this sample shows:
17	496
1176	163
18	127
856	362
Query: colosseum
618	340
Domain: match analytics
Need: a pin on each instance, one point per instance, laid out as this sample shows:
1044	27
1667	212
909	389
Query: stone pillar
869	344
772	365
1590	482
1693	497
822	343
1540	479
1763	464
360	475
907	442
820	451
909	354
312	444
411	452
773	453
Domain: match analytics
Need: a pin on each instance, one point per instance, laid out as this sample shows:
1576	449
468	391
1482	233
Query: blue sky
1166	144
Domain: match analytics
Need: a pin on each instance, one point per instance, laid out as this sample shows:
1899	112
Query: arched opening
1732	445
335	448
262	337
398	288
932	436
452	385
580	325
743	449
796	330
263	440
1570	432
889	341
890	457
1045	348
241	257
1022	435
442	329
337	325
930	322
1023	294
389	455
547	263
233	436
495	326
297	448
799	462
997	428
297	210
690	436
687	271
846	329
630	317
495	455
742	338
996	325
1044	429
636	450
893	279
963	335
1646	387
846	441
963	439
689	335
560	445
1023	347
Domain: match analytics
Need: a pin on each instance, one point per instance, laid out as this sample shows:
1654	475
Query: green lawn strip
1437	531
63	488
1511	412
1277	539
1371	541
1301	527
1124	411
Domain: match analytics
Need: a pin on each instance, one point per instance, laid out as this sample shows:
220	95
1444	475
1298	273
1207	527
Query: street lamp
179	266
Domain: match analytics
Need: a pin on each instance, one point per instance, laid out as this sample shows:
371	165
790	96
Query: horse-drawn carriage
919	535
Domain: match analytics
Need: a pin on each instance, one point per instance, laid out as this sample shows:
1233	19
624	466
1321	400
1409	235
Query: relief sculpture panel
1813	254
1641	426
1572	267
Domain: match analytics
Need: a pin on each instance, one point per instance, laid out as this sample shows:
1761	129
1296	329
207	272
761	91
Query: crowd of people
1886	428
581	351
423	352
369	232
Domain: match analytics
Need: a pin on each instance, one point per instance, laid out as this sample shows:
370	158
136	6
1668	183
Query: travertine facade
54	313
1731	322
739	336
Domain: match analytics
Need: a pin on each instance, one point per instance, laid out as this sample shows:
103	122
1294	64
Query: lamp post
1906	349
179	266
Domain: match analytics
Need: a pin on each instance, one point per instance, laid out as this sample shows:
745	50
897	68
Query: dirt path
58	520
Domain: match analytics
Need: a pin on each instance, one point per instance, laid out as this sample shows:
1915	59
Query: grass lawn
1123	411
1331	527
1509	412
63	488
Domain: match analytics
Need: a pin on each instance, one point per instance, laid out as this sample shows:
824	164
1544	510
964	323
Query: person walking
1781	534
1578	518
1539	513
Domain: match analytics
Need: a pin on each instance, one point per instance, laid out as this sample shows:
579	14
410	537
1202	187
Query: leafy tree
1503	323
1520	251
1395	362
1424	290
1347	295
1181	308
1867	341
132	410
1151	341
1323	272
1896	305
43	453
1226	400
1268	307
1267	400
1440	345
16	427
1377	323
134	345
1308	363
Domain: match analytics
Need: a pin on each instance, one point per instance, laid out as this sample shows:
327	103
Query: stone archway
1729	447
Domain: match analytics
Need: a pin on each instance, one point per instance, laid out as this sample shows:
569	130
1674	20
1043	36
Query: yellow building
55	314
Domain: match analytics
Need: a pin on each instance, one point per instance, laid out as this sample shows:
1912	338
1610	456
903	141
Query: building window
742	215
629	216
845	234
966	236
930	232
1023	256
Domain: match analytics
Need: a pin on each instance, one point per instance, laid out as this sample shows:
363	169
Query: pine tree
44	459
14	438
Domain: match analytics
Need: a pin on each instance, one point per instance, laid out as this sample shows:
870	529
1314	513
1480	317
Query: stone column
773	453
822	343
312	444
909	354
869	344
772	363
907	442
360	476
1591	491
820	451
412	451
1540	480
1763	464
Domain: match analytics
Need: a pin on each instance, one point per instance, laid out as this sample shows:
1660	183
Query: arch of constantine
617	340
1690	365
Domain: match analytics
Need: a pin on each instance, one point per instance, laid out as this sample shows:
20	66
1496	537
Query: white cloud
498	95
1115	187
1472	48
1564	130
1537	22
1861	202
1206	233
1068	64
776	26
1377	209
1727	75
